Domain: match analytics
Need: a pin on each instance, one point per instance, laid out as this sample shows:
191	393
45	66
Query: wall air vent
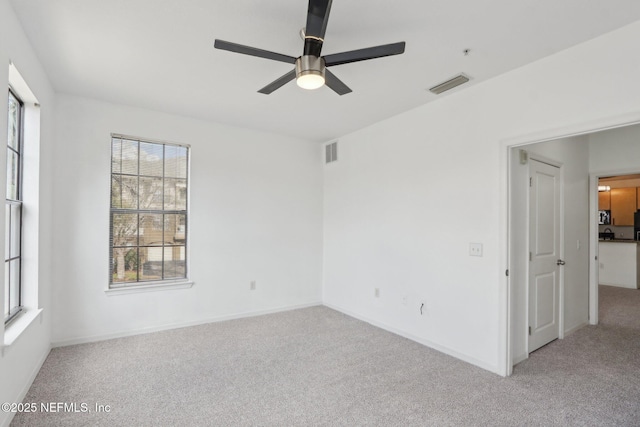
449	84
331	152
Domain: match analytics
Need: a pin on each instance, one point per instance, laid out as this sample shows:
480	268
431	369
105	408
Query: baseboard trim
520	358
575	328
25	389
427	343
177	325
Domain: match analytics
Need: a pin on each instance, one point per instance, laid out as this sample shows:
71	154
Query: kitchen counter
619	263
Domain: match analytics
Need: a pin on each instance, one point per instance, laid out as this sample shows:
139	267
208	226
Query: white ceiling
158	54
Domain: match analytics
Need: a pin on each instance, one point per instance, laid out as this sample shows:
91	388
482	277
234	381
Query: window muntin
148	220
13	211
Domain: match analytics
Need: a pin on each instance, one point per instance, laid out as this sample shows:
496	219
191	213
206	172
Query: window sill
148	287
17	326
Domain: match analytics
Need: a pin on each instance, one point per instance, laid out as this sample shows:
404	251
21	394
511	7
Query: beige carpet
317	367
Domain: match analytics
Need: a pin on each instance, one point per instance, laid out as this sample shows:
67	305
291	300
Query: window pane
116	191
174	262
151	156
124	156
6	308
14	123
116	155
16	227
7	231
175	194
124	192
124	229
13	226
175	161
175	229
151	260
151	226
125	265
13	168
151	193
14	283
169	194
129	157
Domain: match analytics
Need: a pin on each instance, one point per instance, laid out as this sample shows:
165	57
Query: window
149	218
13	211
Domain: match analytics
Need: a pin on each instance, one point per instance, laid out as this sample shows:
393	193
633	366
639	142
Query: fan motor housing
309	64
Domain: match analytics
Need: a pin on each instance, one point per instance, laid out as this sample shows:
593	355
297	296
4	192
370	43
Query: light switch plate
475	249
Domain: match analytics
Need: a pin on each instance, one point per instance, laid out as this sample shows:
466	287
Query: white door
544	247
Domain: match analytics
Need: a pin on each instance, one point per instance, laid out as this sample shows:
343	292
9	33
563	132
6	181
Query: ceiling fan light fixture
310	72
310	80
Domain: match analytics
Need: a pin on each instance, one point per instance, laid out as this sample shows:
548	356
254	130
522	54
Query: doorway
578	300
610	268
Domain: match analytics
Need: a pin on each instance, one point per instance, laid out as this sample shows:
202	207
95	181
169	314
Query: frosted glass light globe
310	81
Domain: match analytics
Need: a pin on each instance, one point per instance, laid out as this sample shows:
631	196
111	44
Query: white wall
255	214
410	193
20	361
615	150
573	155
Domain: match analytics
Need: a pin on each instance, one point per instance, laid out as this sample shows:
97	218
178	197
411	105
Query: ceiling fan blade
335	83
278	83
253	51
317	19
364	54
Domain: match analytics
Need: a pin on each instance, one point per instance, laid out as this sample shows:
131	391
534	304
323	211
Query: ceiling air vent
331	152
449	84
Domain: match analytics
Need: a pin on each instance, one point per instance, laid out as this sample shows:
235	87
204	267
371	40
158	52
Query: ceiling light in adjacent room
602	188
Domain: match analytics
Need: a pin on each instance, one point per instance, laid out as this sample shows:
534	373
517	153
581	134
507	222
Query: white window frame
119	287
30	236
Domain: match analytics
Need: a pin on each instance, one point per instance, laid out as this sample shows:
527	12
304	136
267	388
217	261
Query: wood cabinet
604	200
623	205
638	199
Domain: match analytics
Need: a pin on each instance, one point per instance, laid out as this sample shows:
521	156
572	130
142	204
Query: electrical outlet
376	292
405	299
602	265
252	285
475	249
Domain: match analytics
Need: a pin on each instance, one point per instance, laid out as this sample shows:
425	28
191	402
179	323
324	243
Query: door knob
560	262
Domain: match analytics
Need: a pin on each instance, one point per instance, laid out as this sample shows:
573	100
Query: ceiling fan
310	69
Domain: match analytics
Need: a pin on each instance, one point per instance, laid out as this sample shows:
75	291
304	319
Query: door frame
506	309
594	263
